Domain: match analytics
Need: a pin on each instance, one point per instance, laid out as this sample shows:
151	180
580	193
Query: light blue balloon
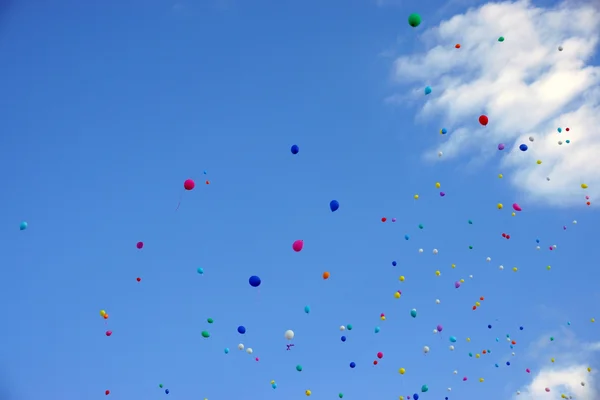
274	386
427	90
226	350
306	309
23	226
453	339
559	130
406	237
444	131
377	329
497	340
200	271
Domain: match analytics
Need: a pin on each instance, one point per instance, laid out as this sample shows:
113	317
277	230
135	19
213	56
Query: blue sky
107	108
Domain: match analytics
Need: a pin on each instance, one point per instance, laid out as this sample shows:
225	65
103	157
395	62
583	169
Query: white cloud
526	87
564	376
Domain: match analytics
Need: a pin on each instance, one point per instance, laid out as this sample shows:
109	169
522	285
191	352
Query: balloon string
179	202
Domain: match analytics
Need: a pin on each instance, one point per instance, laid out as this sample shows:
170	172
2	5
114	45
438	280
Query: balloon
560	48
307	309
189	184
402	371
444	131
226	350
501	39
139	245
299	368
457	284
352	364
343	338
205	334
326	275
241	346
23	226
501	146
414	20
483	120
298	245
200	271
416	396
334	205
425	349
295	149
413	313
308	392
427	90
440	328
107	392
453	339
241	329
289	334
254	281
517	207
424	388
523	147
108	333
380	355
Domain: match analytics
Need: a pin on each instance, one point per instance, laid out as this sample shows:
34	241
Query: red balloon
483	120
189	184
139	245
375	362
380	355
138	279
107	392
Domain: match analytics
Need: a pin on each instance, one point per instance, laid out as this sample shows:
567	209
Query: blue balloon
453	339
167	391
523	147
508	363
496	365
226	350
274	386
343	338
377	329
241	329
416	396
406	237
521	328
394	263
334	205
427	91
537	240
23	226
567	141
200	271
254	281
295	149
559	130
306	309
352	364
444	131
489	327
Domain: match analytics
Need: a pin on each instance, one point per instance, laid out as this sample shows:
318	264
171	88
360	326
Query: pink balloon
457	284
516	207
139	245
298	245
547	389
528	370
108	333
587	197
464	379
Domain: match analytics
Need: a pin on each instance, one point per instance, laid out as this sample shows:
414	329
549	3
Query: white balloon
241	346
537	247
451	348
342	328
501	267
518	392
449	389
420	250
435	331
435	251
437	301
554	246
548	178
560	48
488	259
440	154
455	372
575	221
249	350
560	142
471	276
531	139
425	349
289	334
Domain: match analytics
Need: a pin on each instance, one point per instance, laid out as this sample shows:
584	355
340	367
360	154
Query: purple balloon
442	194
440	328
501	146
457	284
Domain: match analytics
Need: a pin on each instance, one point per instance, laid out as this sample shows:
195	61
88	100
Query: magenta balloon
501	146
457	284
298	245
440	328
516	207
139	245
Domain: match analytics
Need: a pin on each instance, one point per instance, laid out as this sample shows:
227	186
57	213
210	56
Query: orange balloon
484	351
105	316
325	275
457	45
514	342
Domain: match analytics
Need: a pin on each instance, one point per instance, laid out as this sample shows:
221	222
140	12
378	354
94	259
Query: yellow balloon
477	303
513	214
383	317
437	185
552	359
102	313
401	398
593	319
500	176
401	278
548	267
402	371
589	369
480	379
462	281
308	392
416	197
499	206
515	269
453	265
437	273
477	355
397	295
539	162
468	339
584	186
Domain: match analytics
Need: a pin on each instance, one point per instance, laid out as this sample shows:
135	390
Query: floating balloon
241	330
295	149
501	146
298	245
517	207
334	205
523	147
23	226
139	245
254	281
189	184
289	334
483	120
414	20
427	90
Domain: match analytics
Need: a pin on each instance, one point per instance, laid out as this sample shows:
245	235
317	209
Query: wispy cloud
525	85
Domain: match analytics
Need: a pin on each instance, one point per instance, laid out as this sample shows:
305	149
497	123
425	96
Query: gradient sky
107	107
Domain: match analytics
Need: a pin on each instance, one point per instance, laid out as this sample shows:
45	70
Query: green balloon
299	368
205	334
414	20
501	39
470	247
424	388
341	395
160	385
420	226
210	320
349	327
